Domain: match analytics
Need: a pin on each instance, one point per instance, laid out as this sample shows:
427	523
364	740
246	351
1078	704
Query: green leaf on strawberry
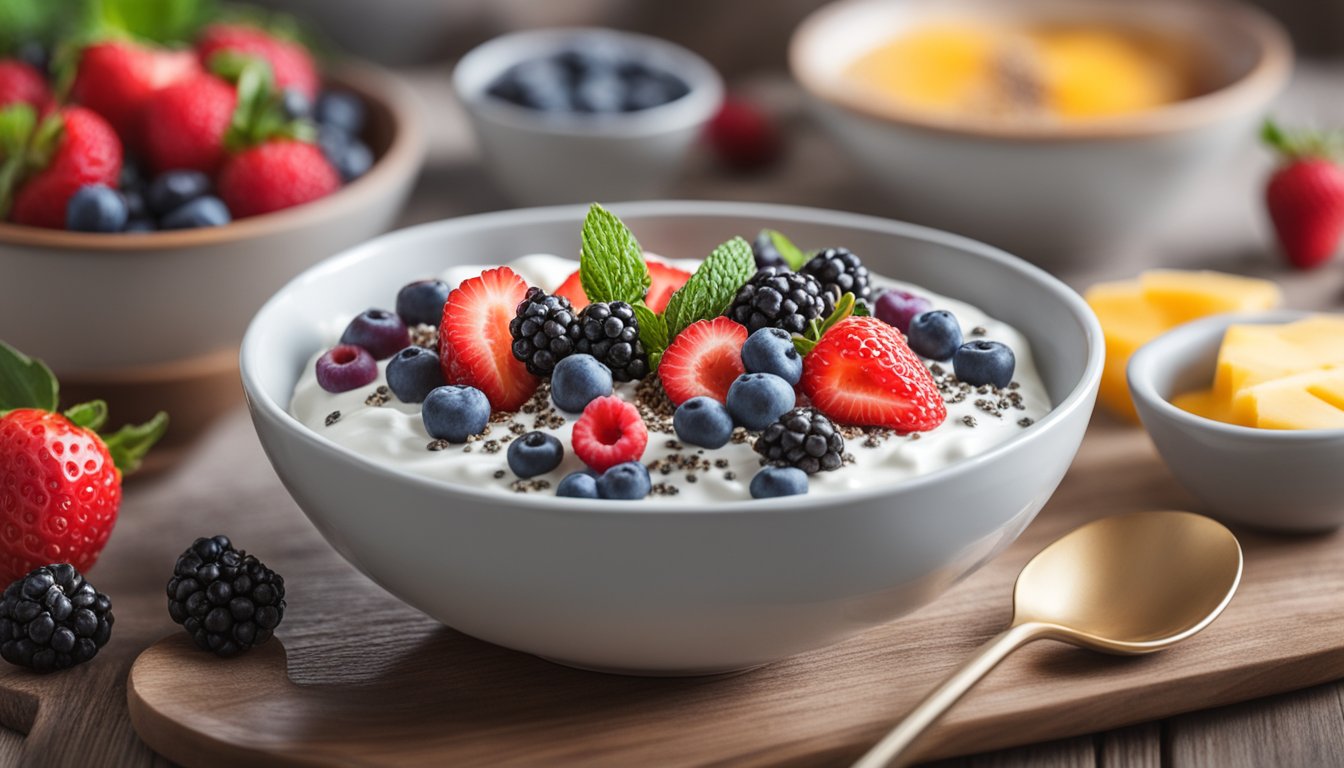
611	263
91	415
129	444
712	288
25	382
259	115
1302	144
26	146
845	307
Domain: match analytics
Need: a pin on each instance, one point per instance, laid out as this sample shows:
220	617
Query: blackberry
225	598
776	298
610	333
802	438
839	271
764	251
542	331
53	619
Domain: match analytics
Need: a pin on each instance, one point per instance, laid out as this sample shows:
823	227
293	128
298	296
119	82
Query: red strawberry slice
475	347
666	280
863	373
705	359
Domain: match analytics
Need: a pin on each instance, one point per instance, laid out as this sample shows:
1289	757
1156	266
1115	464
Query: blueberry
577	380
35	55
131	177
140	225
295	104
535	453
578	485
541	85
935	335
353	162
703	421
379	331
340	109
756	400
171	190
898	308
422	302
96	208
626	481
207	211
345	367
455	412
600	92
772	482
771	350
135	204
982	362
413	373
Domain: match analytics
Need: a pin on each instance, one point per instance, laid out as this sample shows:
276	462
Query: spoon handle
889	751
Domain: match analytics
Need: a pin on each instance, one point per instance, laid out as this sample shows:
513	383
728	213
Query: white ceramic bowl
1275	479
660	586
1050	193
541	158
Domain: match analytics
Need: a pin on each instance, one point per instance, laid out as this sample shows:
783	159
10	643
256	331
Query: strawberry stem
1301	144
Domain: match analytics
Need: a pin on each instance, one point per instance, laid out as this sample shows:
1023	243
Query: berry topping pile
117	134
595	79
763	351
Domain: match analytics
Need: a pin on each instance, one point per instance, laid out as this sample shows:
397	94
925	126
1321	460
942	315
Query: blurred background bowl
154	321
547	157
1052	193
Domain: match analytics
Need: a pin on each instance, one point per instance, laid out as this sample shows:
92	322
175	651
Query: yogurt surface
389	432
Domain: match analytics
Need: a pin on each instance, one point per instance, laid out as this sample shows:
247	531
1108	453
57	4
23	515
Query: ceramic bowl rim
402	158
267	409
1154	356
1253	90
703	99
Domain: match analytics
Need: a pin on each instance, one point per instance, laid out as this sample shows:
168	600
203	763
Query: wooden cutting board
440	698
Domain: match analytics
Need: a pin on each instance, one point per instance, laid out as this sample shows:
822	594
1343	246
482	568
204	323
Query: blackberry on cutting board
802	438
227	600
610	333
776	298
839	271
543	331
53	619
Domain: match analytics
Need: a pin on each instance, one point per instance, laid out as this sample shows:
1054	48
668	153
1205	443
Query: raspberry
609	432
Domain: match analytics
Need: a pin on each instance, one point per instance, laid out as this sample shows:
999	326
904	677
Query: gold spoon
1129	584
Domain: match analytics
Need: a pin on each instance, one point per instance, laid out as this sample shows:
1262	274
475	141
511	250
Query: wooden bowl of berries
148	209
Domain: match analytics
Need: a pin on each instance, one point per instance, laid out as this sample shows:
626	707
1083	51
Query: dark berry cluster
805	439
839	271
543	331
776	298
227	600
610	333
53	619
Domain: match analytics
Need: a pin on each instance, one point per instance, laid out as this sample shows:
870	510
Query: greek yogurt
386	431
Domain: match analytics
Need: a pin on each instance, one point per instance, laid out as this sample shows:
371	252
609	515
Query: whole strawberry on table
229	122
1305	195
60	492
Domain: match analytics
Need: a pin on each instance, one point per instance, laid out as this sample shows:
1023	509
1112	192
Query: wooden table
224	485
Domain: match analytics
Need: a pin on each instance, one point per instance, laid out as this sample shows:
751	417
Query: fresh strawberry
20	83
277	174
60	483
116	78
666	279
51	159
705	359
609	432
290	62
1305	196
743	137
185	124
862	373
475	347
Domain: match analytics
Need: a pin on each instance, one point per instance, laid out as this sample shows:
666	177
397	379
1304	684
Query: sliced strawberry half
863	373
664	281
572	289
705	359
474	340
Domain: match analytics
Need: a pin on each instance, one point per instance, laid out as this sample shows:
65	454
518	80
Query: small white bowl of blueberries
565	115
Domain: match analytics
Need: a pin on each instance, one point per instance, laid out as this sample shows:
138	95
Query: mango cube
1185	296
1311	400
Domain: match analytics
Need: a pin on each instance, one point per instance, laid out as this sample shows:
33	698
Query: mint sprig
792	254
846	306
611	263
712	288
652	334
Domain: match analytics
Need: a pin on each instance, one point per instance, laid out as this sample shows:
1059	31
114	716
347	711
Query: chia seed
968	420
332	418
379	397
437	445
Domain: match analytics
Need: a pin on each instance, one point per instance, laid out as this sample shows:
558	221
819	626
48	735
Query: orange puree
1051	70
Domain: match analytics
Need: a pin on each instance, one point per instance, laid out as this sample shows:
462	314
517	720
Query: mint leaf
129	444
861	309
91	415
791	254
846	306
611	263
25	382
712	288
652	333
